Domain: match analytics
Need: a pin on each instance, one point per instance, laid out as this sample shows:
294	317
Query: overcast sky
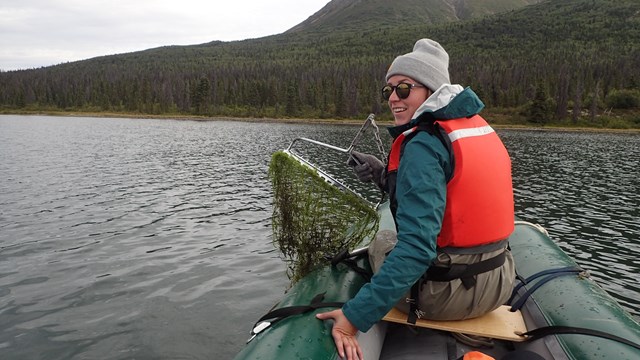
35	33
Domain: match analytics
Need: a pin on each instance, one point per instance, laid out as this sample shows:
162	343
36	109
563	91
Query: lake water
151	239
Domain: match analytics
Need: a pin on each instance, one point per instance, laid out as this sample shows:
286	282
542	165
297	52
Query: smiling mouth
399	110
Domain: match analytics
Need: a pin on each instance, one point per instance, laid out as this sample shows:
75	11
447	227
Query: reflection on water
123	238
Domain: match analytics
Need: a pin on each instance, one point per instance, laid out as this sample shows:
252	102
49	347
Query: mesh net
313	219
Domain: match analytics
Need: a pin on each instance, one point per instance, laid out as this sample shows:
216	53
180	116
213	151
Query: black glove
370	168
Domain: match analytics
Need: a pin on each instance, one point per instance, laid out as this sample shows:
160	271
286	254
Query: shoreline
296	120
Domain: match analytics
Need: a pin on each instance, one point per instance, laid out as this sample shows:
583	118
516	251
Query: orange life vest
477	355
479	207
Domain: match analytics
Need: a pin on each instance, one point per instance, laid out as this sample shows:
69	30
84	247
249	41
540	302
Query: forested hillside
556	59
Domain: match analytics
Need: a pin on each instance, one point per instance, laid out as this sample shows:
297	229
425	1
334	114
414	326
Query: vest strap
465	272
414	304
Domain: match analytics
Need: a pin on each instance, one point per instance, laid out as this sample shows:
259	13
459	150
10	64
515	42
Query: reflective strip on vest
465	133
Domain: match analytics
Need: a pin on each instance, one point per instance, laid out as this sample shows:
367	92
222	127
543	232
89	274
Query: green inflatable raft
567	315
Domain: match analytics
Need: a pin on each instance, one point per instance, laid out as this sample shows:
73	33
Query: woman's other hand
344	335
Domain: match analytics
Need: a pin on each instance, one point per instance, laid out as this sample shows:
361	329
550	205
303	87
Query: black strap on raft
562	330
316	303
547	275
285	312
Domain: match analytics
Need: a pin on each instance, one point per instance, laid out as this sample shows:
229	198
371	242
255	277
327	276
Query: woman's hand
344	335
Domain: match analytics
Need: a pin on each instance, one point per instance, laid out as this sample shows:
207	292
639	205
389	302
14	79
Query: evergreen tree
541	109
200	96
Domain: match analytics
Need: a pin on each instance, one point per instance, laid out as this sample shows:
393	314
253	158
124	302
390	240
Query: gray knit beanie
428	64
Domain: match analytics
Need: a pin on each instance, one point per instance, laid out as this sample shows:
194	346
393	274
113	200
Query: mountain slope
361	14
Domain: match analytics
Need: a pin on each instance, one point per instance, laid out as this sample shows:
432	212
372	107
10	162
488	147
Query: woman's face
403	109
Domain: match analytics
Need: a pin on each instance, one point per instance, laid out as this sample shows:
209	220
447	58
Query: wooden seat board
499	324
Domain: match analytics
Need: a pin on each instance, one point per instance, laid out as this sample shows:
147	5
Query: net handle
317	143
370	119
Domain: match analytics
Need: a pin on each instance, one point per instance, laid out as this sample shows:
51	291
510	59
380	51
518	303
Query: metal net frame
313	219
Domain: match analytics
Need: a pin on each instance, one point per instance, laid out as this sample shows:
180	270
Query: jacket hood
448	102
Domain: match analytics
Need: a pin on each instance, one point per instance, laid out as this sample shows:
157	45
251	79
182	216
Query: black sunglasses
403	90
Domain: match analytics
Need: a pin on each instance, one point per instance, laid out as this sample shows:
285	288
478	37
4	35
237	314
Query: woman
449	184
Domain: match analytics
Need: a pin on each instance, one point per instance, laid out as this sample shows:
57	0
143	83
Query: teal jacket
421	192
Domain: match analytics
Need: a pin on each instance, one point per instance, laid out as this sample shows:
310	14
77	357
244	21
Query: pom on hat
428	64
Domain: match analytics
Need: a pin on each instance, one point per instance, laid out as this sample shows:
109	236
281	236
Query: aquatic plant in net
313	219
